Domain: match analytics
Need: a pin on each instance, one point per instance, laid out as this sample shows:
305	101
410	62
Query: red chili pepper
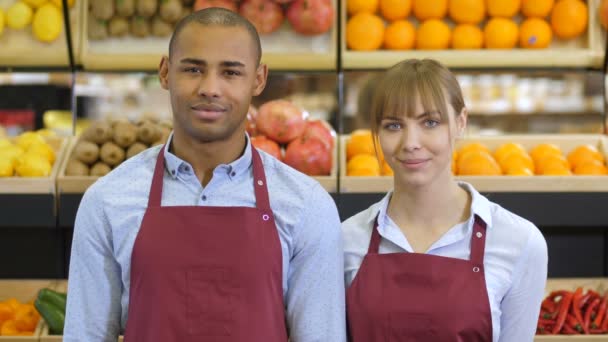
548	304
545	321
604	326
576	310
574	323
590	309
596	331
563	312
584	300
601	311
568	330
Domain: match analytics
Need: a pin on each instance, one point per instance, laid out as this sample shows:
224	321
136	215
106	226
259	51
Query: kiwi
118	27
167	124
86	151
125	8
99	132
170	10
146	8
135	149
161	28
111	154
148	133
125	134
76	168
100	169
102	9
98	29
140	27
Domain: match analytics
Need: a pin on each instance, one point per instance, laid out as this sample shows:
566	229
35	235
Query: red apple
281	121
311	17
263	143
308	156
266	15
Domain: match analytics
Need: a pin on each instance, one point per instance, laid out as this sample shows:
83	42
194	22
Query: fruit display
31	154
363	157
282	129
43	17
463	24
51	305
573	313
143	18
18	318
104	145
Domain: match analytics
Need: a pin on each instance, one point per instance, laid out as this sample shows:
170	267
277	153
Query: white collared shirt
515	258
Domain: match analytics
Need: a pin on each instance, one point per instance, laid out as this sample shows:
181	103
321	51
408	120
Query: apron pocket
411	327
211	300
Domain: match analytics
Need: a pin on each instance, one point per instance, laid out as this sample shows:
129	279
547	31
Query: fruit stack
144	18
29	155
281	129
512	159
17	318
44	16
104	145
363	157
462	24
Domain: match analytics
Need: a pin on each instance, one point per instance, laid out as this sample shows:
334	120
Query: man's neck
206	156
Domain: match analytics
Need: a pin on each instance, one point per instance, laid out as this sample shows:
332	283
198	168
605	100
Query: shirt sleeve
521	305
93	305
315	293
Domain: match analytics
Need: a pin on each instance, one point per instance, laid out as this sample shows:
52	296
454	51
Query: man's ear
163	72
261	75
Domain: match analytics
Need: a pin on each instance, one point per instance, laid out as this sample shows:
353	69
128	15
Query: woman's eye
431	123
392	126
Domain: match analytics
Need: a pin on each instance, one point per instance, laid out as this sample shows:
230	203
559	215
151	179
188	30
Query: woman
435	260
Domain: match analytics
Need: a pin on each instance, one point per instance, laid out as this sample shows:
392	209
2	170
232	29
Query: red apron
420	297
207	273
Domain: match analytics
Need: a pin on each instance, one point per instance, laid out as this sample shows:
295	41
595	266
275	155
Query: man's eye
232	73
192	70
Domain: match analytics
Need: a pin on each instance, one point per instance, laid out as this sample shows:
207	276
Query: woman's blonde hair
428	79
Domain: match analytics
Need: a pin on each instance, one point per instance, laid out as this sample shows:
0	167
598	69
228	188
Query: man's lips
208	111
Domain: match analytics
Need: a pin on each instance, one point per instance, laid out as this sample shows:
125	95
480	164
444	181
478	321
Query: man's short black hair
216	16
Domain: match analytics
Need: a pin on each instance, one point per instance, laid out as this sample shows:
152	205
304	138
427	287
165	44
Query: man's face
211	77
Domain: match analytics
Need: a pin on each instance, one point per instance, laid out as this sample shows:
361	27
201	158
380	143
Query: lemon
43	150
19	15
5	142
59	4
35	3
1	21
28	138
12	153
33	165
6	168
48	23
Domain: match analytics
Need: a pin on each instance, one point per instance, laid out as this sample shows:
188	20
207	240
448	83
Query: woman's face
418	147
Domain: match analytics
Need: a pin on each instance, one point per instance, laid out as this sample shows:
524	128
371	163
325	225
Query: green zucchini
53	316
54	298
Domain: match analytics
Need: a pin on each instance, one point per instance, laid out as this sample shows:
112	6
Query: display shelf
282	50
584	52
21	49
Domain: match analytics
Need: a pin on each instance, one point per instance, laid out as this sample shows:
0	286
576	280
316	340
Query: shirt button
204	198
187	169
233	174
173	172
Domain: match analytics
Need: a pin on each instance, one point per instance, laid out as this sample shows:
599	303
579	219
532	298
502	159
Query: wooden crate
21	49
37	185
282	50
24	291
585	51
597	284
79	184
501	183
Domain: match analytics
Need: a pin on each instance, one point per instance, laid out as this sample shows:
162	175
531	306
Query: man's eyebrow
194	61
233	64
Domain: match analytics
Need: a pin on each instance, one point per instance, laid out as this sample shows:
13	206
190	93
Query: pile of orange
462	24
512	159
17	319
361	156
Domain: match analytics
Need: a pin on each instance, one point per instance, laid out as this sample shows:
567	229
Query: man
206	239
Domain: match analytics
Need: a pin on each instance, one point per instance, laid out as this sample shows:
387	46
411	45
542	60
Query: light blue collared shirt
110	215
515	258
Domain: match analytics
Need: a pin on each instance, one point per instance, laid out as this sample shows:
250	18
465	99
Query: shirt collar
173	163
480	206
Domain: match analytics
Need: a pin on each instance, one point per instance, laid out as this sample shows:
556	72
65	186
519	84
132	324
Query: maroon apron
420	297
207	273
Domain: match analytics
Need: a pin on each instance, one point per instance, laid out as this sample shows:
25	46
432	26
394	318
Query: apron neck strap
259	181
478	241
374	243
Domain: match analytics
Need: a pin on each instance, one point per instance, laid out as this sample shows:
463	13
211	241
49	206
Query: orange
506	149
467	11
542	150
478	163
9	328
603	13
473	146
569	18
357	6
467	36
551	162
6	312
433	34
501	33
364	31
518	170
583	154
591	167
535	33
395	9
556	170
503	8
13	303
26	318
400	35
430	9
516	160
363	165
536	8
360	142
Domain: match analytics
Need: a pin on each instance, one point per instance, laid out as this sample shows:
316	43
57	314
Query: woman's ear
461	122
